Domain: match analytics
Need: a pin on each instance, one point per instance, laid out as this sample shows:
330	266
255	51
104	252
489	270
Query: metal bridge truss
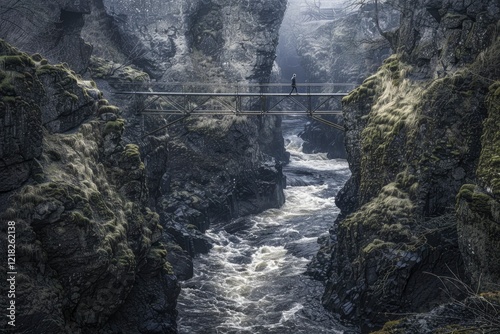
313	100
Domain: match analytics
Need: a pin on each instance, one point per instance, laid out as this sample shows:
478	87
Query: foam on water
253	282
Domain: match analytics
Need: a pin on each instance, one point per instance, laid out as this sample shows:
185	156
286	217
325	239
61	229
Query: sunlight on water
252	281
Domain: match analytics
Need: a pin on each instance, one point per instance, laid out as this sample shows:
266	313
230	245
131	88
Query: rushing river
252	281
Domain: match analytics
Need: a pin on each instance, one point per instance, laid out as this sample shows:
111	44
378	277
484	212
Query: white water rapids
252	281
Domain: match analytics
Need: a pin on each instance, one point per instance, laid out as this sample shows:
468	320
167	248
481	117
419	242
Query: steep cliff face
88	251
478	203
98	207
52	29
417	133
205	170
184	41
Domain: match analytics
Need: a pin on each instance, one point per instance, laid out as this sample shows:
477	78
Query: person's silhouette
294	85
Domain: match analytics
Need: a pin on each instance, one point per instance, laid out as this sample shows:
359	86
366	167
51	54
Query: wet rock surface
413	139
84	239
115	217
204	170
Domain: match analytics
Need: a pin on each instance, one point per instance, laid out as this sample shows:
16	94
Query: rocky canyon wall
107	219
343	49
422	202
87	248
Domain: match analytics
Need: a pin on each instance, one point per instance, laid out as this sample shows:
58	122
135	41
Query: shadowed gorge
115	218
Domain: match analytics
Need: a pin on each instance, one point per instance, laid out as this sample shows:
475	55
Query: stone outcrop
202	170
88	250
52	29
417	133
102	211
319	137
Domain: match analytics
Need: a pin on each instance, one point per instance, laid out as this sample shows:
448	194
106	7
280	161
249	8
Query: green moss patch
13	63
114	127
391	123
105	69
108	109
390	327
132	155
488	170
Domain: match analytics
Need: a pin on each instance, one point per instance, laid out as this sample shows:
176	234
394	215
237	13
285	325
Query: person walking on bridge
294	85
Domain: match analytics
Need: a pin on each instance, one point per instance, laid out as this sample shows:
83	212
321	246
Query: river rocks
319	137
411	148
240	224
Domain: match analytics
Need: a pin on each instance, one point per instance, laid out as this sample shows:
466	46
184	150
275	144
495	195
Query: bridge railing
237	88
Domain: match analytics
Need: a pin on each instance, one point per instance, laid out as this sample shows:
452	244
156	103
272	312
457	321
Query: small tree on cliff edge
378	6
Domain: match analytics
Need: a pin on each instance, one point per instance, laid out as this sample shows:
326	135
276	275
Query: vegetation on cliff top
81	234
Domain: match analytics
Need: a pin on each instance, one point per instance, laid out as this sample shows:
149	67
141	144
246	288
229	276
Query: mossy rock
105	69
377	244
114	127
71	96
102	102
481	203
108	109
16	62
157	258
37	57
488	170
6	86
6	49
99	206
131	151
466	192
390	327
79	219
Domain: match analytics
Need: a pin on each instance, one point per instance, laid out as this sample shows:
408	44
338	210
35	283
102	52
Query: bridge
200	99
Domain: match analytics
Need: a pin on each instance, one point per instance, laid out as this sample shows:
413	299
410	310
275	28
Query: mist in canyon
116	220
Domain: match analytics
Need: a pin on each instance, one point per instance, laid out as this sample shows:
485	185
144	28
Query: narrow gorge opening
287	59
138	137
254	279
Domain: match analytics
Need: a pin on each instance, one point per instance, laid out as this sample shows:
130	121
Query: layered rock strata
418	133
98	206
206	170
88	250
